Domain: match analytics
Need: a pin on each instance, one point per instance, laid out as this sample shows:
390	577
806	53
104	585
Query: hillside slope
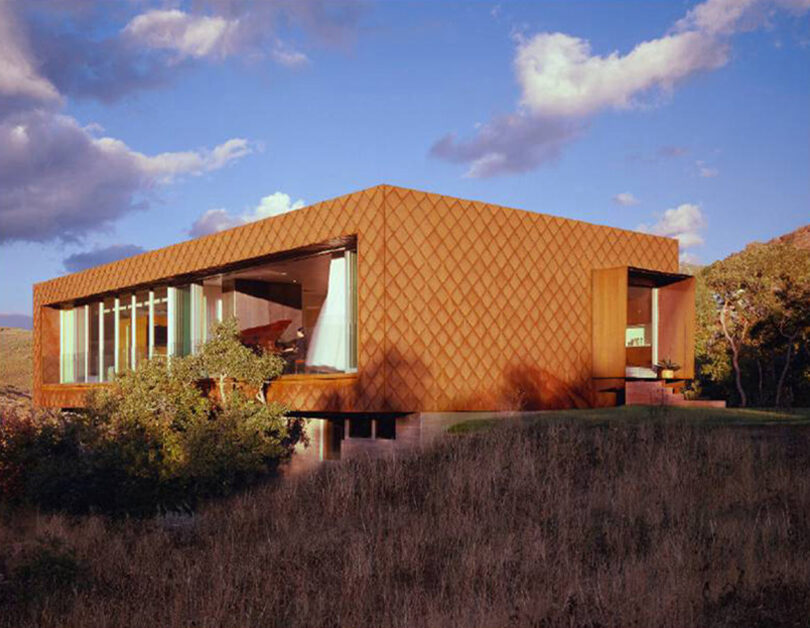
15	359
800	238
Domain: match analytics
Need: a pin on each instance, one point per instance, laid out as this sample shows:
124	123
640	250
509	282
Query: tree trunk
260	396
760	398
735	354
782	376
222	397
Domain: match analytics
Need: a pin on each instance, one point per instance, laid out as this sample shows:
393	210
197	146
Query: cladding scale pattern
461	304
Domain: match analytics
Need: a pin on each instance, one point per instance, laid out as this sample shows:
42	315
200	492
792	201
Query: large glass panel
181	343
67	346
93	332
304	308
213	306
160	326
72	337
351	297
124	331
141	322
639	316
328	348
638	335
79	346
108	357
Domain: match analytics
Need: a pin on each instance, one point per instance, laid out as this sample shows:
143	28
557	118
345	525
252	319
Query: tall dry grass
663	524
16	368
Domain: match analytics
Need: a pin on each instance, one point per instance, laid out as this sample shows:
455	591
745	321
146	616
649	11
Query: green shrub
154	441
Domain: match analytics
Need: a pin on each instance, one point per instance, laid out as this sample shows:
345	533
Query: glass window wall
303	308
108	340
93	341
180	320
160	326
67	346
140	338
125	325
641	326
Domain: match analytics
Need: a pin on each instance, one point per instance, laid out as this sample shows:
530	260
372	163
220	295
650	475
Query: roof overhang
653	278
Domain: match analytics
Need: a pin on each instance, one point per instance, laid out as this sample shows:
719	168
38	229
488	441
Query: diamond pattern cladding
360	213
476	291
455	296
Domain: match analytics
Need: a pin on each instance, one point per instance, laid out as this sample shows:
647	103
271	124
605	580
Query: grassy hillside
547	523
799	238
15	358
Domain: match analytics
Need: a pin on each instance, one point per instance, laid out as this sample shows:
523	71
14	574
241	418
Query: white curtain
327	345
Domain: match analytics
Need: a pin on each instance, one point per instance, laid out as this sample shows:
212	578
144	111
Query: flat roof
261	239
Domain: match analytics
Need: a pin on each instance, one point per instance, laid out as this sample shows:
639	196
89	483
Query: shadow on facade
393	383
403	383
530	388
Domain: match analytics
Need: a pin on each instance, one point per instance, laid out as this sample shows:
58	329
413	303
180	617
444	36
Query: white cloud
514	143
274	204
705	171
58	178
726	17
212	221
687	257
166	166
625	199
562	81
102	255
250	29
289	57
215	220
19	78
685	223
186	34
59	181
559	76
720	16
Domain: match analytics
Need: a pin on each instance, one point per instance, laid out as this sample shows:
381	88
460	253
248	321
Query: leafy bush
154	441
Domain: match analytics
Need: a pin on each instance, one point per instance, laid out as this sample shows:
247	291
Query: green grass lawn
747	417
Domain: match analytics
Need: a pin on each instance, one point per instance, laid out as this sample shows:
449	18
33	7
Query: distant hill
800	238
23	321
15	359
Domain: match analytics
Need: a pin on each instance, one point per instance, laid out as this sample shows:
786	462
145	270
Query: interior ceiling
311	272
653	278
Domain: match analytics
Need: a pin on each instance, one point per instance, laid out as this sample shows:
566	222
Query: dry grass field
663	522
15	359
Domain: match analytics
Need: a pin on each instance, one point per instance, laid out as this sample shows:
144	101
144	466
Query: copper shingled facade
461	304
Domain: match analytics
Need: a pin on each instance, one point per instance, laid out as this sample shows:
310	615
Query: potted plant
666	369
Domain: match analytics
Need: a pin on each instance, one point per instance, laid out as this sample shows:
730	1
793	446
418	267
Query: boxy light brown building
388	299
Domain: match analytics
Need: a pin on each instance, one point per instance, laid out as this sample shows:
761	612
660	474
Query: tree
786	299
227	360
759	299
732	283
153	440
713	365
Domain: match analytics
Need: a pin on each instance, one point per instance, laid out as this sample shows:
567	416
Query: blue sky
133	127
